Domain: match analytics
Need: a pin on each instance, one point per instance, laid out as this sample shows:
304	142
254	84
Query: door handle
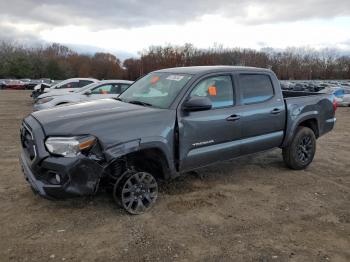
276	111
233	118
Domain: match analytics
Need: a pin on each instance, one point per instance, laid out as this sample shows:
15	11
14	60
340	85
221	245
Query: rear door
262	112
211	135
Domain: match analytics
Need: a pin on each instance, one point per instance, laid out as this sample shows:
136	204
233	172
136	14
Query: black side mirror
197	103
88	92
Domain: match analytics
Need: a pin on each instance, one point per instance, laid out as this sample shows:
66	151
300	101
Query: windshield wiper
136	102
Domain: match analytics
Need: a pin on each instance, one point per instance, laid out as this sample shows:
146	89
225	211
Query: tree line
60	62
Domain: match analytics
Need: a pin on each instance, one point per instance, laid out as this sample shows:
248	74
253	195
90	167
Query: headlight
69	146
44	100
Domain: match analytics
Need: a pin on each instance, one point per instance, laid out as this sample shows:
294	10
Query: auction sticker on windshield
175	77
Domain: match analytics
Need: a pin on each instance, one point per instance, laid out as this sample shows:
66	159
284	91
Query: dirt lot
249	209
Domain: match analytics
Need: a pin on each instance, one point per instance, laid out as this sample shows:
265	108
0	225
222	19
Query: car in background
2	83
32	83
63	87
341	95
14	85
94	91
70	85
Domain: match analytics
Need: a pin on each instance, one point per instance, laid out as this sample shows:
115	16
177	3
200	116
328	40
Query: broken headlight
69	146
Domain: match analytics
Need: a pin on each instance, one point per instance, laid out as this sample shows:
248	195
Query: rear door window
70	85
84	82
255	88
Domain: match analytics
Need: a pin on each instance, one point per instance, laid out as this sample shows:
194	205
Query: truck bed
287	93
303	105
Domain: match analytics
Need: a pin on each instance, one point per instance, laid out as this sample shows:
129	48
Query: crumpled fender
119	150
160	143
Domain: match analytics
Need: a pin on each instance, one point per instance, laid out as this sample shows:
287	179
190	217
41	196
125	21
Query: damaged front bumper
53	176
59	177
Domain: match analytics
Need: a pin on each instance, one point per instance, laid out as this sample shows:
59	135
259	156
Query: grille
27	141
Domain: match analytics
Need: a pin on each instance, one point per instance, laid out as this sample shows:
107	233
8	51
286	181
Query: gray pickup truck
169	122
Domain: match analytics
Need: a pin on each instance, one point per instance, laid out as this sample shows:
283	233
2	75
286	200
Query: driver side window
102	90
69	85
218	89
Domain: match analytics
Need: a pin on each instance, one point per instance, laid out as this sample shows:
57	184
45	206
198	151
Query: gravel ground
248	209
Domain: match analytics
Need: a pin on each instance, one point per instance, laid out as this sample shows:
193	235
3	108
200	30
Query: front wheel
137	192
301	151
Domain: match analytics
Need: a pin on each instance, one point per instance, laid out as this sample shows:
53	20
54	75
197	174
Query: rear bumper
328	126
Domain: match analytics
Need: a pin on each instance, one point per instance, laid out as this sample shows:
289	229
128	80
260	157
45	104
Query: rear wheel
137	192
301	151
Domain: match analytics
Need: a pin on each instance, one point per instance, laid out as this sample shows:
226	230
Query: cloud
10	33
107	14
131	25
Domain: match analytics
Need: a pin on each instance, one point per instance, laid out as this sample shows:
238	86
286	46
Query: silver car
99	90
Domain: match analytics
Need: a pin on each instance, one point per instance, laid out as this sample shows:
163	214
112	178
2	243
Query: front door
209	136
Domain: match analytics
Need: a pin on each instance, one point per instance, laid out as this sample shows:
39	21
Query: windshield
155	89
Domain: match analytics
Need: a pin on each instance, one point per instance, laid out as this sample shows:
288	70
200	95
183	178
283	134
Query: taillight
335	104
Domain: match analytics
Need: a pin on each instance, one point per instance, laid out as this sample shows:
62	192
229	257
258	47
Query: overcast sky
130	26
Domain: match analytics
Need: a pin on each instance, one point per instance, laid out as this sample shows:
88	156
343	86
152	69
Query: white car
342	96
99	90
346	100
69	85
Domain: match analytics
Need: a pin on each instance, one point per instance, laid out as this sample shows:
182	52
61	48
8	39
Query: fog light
54	178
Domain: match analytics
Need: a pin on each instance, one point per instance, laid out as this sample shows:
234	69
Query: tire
301	151
137	192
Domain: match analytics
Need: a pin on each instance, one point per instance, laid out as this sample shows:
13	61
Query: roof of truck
193	70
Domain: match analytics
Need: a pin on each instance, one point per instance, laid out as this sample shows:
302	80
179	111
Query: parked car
2	84
346	101
39	89
14	85
94	91
31	84
167	123
63	87
342	95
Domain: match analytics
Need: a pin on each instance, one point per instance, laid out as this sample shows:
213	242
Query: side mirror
197	103
88	92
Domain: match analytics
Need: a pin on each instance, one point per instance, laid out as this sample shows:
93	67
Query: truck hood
111	121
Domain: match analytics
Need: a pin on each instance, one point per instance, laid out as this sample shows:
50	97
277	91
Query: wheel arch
152	160
310	121
154	154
